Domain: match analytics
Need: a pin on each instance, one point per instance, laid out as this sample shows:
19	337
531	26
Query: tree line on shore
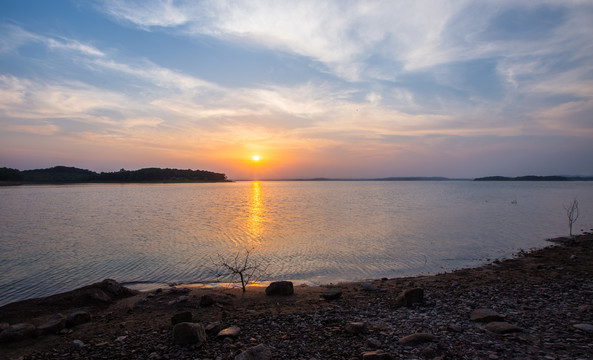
65	174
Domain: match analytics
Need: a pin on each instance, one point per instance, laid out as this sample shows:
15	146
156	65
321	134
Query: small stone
281	288
409	297
53	325
207	301
485	315
187	333
17	332
78	344
356	327
332	294
417	338
121	338
213	329
185	316
182	298
454	328
77	318
373	343
232	332
501	327
258	352
4	326
584	327
376	355
367	286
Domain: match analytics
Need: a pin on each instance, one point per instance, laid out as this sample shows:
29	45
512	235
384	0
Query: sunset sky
314	88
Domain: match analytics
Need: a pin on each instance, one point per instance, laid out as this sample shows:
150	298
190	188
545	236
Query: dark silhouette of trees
64	174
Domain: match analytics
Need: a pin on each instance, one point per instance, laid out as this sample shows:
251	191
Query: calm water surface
57	238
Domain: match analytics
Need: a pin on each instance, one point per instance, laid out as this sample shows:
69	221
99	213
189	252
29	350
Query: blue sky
316	88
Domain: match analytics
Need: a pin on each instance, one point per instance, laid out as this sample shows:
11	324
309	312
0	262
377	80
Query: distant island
71	175
535	178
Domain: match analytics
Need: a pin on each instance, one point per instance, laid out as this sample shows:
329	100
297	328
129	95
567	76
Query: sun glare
255	158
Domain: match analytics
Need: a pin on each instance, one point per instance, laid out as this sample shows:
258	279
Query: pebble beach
538	305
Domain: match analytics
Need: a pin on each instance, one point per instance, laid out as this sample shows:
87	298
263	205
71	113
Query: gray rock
182	298
77	318
53	325
258	352
409	297
416	339
232	332
584	327
282	288
187	333
367	286
501	327
17	332
356	327
185	316
376	355
207	301
332	294
485	315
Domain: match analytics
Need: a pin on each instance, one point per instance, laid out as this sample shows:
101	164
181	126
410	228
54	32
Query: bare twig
239	270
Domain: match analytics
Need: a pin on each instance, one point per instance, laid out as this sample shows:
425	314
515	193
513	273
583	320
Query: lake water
57	238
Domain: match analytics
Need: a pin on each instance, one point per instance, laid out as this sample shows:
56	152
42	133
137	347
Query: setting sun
255	158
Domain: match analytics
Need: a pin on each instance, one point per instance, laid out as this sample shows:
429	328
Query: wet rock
409	297
356	327
53	325
213	329
281	288
187	333
232	332
207	301
416	339
185	316
501	327
485	315
584	327
367	286
332	294
17	332
376	355
258	352
77	318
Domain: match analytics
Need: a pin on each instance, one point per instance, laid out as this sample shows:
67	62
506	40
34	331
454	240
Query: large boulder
77	318
17	332
53	325
187	333
281	288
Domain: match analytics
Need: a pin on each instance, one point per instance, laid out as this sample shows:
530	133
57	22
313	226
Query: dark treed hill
64	174
535	178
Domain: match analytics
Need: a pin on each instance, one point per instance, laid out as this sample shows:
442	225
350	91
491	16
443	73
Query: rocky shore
536	306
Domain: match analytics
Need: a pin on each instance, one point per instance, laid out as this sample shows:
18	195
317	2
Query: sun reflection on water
255	221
